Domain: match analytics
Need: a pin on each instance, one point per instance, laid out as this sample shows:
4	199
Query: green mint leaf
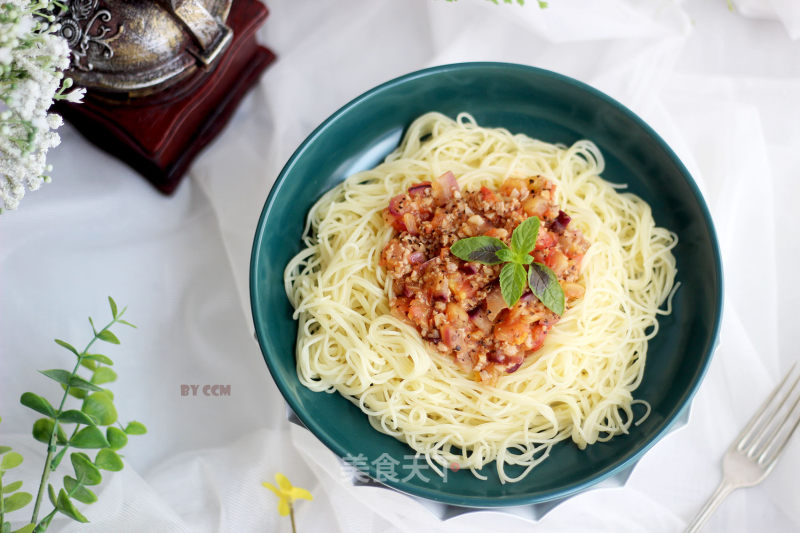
89	437
107	336
506	255
479	250
126	323
116	437
107	459
11	487
4	449
10	460
523	239
43	428
512	282
73	416
100	358
103	375
113	305
545	286
16	501
542	4
91	322
27	528
99	406
91	364
65	506
70	380
78	491
527	259
37	403
85	471
68	346
135	428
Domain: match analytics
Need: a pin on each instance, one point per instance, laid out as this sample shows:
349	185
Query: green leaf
103	375
28	528
5	527
94	330
4	449
506	255
64	505
78	491
107	459
89	437
57	459
51	493
545	286
11	487
76	393
68	346
85	471
16	501
70	380
100	406
481	249
116	437
113	305
512	282
43	428
100	358
37	403
107	336
10	460
89	363
74	416
135	428
523	239
126	323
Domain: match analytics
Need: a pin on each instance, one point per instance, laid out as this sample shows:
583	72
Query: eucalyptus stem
51	514
51	445
2	507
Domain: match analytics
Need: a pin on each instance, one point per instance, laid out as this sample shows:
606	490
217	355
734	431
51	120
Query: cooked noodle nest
578	386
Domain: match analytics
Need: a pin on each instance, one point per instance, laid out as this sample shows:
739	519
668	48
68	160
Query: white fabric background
722	87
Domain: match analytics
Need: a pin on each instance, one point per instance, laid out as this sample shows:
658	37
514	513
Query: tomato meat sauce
457	306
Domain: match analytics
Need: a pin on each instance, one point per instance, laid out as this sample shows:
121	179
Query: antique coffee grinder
162	77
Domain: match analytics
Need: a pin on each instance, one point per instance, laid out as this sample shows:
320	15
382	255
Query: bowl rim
619	467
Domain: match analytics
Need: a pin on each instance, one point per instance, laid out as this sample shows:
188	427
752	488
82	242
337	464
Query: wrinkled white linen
723	90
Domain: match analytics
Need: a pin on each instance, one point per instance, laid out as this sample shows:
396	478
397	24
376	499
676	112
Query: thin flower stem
51	445
291	516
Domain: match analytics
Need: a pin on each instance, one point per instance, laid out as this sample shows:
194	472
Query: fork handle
723	489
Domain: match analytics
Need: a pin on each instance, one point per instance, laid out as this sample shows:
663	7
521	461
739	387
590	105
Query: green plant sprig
519	268
11	498
94	429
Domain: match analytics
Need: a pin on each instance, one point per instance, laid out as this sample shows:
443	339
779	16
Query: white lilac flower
32	60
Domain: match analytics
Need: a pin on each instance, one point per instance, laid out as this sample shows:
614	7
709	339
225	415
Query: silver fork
753	454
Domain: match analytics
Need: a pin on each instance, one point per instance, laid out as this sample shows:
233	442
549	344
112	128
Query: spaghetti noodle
579	387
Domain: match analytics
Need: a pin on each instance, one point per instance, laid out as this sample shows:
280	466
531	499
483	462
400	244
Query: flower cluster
32	60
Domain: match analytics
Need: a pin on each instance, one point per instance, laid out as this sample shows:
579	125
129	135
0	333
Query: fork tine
742	440
771	427
769	456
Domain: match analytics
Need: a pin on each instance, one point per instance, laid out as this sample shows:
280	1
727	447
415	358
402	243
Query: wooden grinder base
161	134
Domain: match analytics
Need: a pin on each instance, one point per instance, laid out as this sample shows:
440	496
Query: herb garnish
492	251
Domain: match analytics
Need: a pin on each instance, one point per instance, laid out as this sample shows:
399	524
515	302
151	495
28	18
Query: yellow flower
286	493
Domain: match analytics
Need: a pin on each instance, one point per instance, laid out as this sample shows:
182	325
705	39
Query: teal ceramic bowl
543	105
